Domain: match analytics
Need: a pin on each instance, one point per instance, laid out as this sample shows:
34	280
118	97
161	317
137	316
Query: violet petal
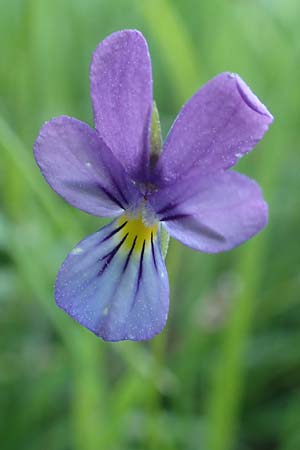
79	167
213	213
217	126
121	91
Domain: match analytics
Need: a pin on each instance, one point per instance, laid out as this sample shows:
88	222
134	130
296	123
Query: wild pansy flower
115	281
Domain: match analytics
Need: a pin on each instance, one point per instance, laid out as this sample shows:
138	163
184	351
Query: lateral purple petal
81	169
121	91
214	213
113	290
217	126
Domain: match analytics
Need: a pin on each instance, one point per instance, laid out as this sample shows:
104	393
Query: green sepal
155	150
164	241
156	139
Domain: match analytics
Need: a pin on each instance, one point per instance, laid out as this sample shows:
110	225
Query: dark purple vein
116	184
153	252
140	274
110	195
167	208
129	255
109	256
174	217
113	232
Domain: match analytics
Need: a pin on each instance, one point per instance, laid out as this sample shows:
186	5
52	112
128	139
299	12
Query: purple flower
115	281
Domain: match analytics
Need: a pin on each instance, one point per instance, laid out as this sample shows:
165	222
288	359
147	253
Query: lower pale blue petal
116	284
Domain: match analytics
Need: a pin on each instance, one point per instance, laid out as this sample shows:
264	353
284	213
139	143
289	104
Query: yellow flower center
137	232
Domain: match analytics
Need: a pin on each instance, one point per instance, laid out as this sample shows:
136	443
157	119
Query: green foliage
224	374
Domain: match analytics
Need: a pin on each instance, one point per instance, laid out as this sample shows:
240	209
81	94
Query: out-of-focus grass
225	372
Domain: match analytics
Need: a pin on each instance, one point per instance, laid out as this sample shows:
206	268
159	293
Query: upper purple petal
121	90
213	213
78	166
220	123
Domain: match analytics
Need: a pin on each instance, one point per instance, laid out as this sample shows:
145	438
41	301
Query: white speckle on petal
88	164
238	155
105	311
77	251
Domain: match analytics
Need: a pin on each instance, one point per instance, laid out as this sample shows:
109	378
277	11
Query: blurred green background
225	372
